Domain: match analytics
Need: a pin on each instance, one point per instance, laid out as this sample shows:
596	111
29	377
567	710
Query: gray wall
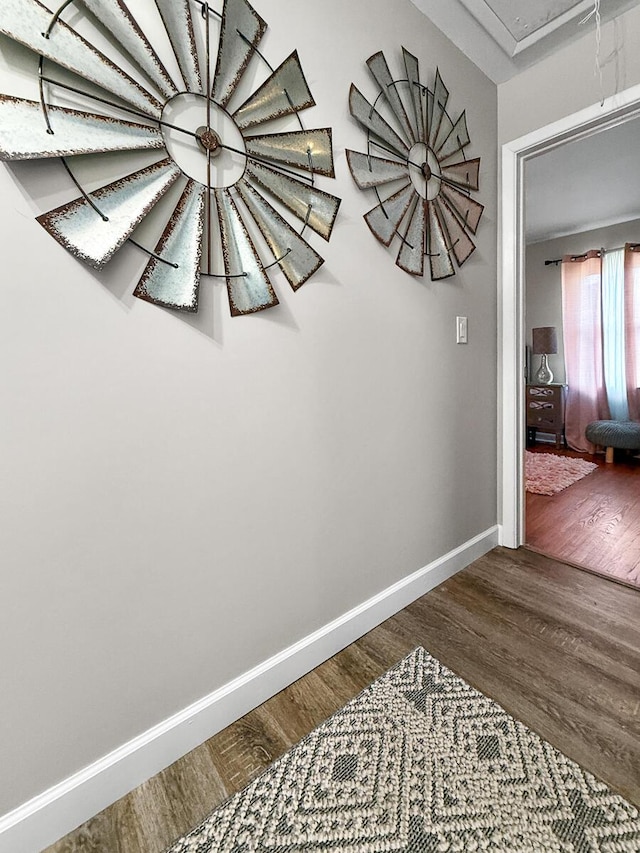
182	498
544	283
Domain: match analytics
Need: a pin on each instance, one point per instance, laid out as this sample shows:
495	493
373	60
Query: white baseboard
51	815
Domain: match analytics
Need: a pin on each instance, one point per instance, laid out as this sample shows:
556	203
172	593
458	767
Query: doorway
593	120
581	196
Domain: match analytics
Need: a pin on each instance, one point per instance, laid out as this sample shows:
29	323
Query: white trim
46	818
594	119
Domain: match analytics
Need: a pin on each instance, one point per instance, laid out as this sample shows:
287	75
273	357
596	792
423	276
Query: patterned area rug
420	762
547	473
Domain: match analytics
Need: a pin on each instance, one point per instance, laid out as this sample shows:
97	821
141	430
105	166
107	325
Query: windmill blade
24	135
312	206
176	283
467	208
455	140
368	171
295	257
86	234
416	89
465	174
176	16
384	220
283	93
411	255
439	259
117	18
437	108
364	113
380	70
248	286
461	244
28	21
240	32
310	150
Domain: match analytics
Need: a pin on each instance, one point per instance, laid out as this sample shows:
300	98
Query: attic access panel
522	18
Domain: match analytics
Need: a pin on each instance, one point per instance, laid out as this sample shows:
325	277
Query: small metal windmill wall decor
229	161
415	163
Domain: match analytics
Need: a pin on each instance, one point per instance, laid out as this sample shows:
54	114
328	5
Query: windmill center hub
424	170
209	140
203	140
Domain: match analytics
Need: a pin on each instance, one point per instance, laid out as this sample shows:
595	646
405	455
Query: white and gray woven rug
420	762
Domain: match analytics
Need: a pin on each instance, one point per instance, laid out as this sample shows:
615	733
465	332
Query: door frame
615	110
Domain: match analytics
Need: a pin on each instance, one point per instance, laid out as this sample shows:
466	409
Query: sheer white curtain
613	333
632	327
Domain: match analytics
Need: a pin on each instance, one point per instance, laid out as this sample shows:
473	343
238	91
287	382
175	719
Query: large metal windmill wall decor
226	159
415	163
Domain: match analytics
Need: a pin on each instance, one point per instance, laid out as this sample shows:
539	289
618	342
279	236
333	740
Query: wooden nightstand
545	410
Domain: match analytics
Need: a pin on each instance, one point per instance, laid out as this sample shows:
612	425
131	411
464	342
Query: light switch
461	330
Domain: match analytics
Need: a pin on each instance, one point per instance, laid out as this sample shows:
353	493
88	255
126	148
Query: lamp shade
545	340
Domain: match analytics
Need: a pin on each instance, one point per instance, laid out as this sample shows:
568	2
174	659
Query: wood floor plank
557	647
349	672
595	522
194	787
247	747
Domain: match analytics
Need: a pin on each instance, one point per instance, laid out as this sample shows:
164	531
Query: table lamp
545	342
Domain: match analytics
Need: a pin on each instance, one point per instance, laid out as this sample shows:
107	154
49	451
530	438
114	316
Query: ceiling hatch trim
503	37
532	33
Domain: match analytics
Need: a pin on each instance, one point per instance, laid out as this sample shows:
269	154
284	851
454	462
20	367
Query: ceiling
589	183
502	37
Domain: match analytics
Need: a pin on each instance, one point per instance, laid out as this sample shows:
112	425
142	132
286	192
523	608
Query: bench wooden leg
609	455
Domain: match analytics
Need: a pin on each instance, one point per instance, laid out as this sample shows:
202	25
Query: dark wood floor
559	648
594	523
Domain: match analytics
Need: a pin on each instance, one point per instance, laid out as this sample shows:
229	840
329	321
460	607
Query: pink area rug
547	474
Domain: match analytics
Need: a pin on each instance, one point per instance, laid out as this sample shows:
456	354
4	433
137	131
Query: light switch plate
461	330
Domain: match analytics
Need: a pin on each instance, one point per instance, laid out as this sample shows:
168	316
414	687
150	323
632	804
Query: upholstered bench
611	435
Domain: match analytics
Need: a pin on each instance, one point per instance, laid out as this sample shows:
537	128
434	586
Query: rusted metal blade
241	31
116	17
384	220
411	255
454	141
89	236
467	208
176	16
368	171
380	70
28	21
296	258
24	136
465	173
364	113
439	258
310	150
416	92
177	284
248	286
315	208
283	93
461	244
437	108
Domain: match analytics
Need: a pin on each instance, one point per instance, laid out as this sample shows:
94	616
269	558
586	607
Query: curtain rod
577	257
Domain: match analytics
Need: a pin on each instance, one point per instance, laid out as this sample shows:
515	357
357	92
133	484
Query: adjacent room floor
557	647
595	523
